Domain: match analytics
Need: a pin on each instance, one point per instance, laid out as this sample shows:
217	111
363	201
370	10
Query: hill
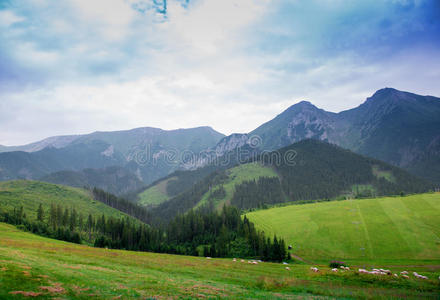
164	190
30	194
306	170
32	265
389	228
182	180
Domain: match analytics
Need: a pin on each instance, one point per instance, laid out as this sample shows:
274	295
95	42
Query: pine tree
65	219
40	213
80	221
53	216
73	216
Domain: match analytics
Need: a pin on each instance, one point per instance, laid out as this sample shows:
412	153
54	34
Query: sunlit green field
400	229
48	269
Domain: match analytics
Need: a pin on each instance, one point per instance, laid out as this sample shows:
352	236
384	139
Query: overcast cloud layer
77	66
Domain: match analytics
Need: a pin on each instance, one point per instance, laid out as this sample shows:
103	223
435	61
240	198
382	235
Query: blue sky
77	66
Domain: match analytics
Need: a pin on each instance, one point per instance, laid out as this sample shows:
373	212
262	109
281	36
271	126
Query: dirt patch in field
77	267
26	294
203	291
55	289
26	273
100	269
3	269
79	289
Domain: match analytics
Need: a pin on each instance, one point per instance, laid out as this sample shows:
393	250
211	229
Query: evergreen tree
40	213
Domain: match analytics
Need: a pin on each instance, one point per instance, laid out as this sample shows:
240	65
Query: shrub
337	264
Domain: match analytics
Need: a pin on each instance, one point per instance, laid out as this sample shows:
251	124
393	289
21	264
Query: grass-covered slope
29	194
389	228
236	175
49	269
156	193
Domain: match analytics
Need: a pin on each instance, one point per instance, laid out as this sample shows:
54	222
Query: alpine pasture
400	230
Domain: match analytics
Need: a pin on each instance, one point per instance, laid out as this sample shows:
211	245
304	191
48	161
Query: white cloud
7	18
111	18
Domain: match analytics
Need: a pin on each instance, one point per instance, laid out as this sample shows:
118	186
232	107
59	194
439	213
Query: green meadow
155	194
48	269
236	175
29	194
393	229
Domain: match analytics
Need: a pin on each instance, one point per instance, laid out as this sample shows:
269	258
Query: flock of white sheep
403	274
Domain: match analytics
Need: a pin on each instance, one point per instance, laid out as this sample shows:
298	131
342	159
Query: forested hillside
324	171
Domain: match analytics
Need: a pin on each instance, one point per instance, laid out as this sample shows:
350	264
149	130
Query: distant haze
73	67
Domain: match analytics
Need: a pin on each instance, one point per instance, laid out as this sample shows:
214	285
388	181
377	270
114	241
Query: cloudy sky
77	66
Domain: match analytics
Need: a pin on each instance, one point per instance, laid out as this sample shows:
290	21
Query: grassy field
400	230
155	194
49	269
30	194
250	171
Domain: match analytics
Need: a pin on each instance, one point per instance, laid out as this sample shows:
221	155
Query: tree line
199	232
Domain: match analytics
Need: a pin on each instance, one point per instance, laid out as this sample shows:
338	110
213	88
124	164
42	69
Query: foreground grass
400	229
54	269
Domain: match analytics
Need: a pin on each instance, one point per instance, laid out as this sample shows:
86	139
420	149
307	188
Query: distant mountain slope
147	153
115	180
393	126
193	139
307	170
54	141
30	194
398	127
300	121
34	165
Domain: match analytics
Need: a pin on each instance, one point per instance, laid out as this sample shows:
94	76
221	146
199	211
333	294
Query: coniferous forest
197	233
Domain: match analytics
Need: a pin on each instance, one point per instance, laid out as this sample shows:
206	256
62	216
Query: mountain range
397	127
146	153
